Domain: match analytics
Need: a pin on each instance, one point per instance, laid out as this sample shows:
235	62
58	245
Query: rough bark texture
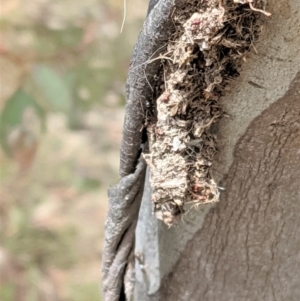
125	198
247	246
144	65
120	226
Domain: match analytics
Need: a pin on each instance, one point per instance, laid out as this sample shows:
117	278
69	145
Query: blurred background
63	66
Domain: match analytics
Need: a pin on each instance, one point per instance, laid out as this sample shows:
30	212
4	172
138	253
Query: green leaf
12	113
55	93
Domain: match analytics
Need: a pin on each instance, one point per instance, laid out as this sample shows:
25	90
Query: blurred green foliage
7	292
60	60
86	292
65	64
12	114
56	95
43	247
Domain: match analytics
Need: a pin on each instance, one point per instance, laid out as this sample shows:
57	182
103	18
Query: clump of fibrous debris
209	43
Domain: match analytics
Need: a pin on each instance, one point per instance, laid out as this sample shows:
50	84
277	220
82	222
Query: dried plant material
204	54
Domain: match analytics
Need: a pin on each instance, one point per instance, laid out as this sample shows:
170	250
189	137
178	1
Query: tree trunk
247	246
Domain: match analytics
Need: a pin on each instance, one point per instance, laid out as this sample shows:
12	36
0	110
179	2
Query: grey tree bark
247	246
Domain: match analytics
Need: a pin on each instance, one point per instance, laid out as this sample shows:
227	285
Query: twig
259	10
161	57
124	16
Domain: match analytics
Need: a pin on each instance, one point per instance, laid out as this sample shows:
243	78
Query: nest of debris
203	55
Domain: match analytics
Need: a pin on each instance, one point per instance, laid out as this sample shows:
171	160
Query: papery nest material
204	54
